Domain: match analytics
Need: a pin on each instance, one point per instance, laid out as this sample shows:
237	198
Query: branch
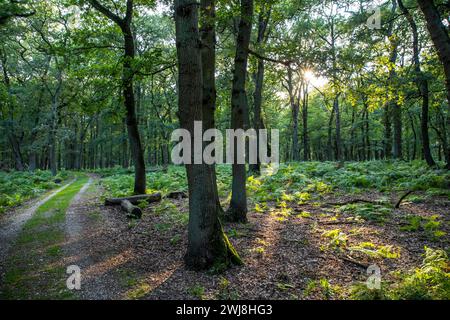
157	71
261	57
129	14
108	13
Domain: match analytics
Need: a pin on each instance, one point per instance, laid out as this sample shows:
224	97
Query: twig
330	223
351	260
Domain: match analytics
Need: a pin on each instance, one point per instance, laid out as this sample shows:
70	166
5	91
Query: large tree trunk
424	91
207	244
422	85
337	113
237	211
441	41
208	55
129	101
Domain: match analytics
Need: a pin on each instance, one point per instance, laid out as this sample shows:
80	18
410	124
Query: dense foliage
17	187
61	73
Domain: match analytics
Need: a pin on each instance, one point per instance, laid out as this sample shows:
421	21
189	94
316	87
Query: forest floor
314	249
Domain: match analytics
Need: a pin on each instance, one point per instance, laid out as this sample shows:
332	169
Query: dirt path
86	220
11	225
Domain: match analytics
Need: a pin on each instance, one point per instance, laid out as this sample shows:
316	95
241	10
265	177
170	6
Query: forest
354	203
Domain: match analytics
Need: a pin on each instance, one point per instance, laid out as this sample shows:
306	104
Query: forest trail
85	221
11	225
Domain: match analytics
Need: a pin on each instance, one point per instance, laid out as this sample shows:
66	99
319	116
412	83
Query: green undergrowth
431	226
368	211
292	179
301	183
33	270
430	281
17	187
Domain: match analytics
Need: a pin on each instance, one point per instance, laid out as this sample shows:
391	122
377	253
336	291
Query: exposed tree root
399	202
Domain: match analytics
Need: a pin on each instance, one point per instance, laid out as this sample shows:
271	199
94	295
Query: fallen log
177	195
133	212
156	197
157	169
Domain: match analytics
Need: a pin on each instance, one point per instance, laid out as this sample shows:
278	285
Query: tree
422	85
441	41
393	106
207	243
128	90
237	211
294	100
258	124
208	52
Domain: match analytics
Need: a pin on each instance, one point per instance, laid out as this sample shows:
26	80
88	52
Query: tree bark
208	246
132	126
208	55
441	41
237	211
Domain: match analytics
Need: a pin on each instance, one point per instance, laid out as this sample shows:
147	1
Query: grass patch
40	242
